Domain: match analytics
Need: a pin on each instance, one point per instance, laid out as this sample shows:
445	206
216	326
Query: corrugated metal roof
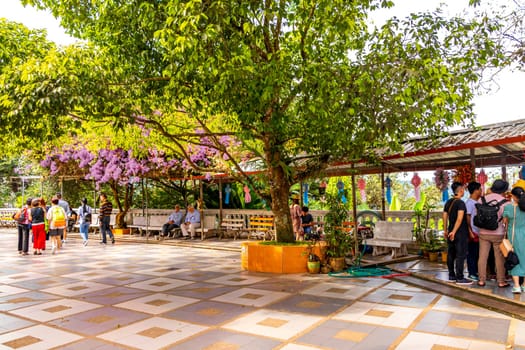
490	145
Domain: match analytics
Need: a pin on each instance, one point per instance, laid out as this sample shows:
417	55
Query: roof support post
220	200
473	163
383	201
354	211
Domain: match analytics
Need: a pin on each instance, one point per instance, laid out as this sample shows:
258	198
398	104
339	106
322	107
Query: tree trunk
120	219
279	191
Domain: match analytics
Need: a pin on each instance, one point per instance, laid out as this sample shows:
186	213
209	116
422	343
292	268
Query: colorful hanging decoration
322	187
388	185
442	179
463	174
361	184
522	172
416	182
227	192
482	179
305	193
341	191
247	197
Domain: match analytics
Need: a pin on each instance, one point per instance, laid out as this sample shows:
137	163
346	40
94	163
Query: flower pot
337	264
313	266
433	256
444	256
325	268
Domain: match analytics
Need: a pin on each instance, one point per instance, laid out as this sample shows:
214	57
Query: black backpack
86	214
487	214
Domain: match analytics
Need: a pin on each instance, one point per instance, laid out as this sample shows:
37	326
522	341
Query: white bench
231	226
154	224
391	236
207	227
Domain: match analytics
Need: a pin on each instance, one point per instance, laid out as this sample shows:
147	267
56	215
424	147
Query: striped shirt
105	209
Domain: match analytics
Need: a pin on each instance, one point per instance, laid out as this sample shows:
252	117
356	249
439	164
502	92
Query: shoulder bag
511	259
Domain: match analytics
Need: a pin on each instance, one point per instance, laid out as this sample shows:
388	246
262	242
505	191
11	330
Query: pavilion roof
487	146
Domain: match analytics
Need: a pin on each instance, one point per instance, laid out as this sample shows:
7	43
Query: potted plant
433	246
313	262
339	241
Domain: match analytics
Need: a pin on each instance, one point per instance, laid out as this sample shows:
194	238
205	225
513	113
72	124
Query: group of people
53	221
302	222
187	222
474	244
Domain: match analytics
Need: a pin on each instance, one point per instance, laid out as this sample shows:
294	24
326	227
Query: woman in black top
37	217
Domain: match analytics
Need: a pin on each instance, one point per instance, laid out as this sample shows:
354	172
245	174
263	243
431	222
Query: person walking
22	218
514	219
104	215
67	209
36	217
84	220
456	232
57	223
192	222
474	189
488	238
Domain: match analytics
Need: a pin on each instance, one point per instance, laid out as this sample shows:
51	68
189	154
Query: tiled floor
153	296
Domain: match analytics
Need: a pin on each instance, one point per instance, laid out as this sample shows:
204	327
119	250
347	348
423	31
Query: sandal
481	284
504	285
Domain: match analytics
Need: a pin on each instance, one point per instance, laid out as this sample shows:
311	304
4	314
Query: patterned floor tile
203	290
309	304
274	324
466	326
19	277
160	271
157	303
298	347
284	285
98	321
520	333
251	297
153	333
121	279
340	290
114	295
379	314
18	301
36	338
93	344
54	309
11	323
226	340
237	280
159	284
427	341
6	290
90	274
77	288
343	335
210	313
400	297
43	283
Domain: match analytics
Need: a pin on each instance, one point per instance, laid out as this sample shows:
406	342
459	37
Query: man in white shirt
192	222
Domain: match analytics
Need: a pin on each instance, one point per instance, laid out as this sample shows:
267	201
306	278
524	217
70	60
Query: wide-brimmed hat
499	186
519	183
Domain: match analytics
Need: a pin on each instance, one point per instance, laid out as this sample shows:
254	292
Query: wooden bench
261	227
153	223
231	226
207	227
391	236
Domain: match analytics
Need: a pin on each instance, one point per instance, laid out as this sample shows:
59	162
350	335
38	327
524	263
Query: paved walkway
158	296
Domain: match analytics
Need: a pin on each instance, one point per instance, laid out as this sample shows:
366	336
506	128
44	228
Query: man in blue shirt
192	222
174	221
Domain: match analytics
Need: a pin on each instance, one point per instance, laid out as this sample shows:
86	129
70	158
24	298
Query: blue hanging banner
341	191
444	194
227	190
388	194
305	193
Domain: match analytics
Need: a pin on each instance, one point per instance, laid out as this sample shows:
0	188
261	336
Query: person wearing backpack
488	238
22	219
57	223
84	214
456	232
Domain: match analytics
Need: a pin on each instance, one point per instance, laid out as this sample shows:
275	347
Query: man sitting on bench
192	222
174	221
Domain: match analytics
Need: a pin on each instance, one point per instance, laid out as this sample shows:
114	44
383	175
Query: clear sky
500	104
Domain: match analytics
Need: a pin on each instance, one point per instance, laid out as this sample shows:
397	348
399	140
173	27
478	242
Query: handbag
511	259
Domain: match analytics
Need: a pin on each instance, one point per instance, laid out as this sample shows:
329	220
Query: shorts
55	232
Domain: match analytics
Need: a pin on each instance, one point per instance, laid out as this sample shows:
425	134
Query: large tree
301	83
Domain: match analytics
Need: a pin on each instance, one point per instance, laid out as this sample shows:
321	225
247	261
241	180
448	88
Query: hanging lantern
416	182
482	179
361	184
305	193
388	185
227	191
441	179
341	191
247	197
